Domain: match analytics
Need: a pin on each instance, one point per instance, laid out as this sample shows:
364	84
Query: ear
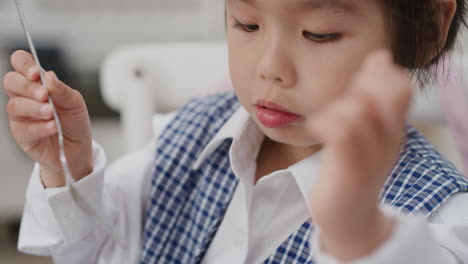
447	10
445	13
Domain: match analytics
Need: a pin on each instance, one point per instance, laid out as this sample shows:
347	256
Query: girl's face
298	56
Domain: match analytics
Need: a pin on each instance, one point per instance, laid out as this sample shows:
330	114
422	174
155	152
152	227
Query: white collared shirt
258	219
261	216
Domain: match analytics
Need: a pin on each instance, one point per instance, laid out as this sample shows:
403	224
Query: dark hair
417	34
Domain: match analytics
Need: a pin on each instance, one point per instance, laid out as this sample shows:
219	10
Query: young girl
309	161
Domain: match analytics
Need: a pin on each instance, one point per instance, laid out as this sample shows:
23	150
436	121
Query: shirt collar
306	172
240	124
230	130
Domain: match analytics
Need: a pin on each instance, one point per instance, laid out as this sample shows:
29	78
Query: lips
273	115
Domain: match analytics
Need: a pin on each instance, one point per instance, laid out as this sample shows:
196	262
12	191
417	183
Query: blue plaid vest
186	206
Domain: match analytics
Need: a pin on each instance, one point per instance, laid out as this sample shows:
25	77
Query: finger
348	136
400	102
395	82
388	85
63	95
21	108
371	112
16	84
346	120
23	62
31	132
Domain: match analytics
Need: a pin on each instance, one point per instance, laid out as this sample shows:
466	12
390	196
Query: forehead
341	6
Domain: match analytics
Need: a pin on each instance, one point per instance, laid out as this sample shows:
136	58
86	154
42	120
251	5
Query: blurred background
74	38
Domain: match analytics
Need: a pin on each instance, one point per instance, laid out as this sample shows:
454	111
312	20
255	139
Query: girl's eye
246	27
321	38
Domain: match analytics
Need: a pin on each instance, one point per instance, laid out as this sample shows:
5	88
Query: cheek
326	73
236	69
323	79
242	71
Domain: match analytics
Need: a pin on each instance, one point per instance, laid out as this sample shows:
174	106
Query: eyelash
246	27
320	38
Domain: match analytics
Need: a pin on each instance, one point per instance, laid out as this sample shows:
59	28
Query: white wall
88	33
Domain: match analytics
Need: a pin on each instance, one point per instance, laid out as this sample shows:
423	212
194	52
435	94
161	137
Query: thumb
62	95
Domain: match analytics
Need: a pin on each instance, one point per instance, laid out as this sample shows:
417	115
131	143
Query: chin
290	135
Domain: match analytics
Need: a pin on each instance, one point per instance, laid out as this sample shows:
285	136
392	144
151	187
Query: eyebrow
345	6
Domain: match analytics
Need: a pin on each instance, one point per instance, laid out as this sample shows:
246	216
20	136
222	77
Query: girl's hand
362	133
32	123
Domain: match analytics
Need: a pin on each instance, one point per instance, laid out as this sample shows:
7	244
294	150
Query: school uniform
189	198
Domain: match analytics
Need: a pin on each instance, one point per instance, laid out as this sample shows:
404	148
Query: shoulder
453	212
202	116
194	125
211	104
422	179
417	147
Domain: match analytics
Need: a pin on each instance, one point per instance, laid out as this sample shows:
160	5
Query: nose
276	65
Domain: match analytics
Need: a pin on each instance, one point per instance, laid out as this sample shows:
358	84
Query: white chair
140	81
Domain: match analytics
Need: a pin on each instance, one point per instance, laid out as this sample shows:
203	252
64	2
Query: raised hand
362	133
32	123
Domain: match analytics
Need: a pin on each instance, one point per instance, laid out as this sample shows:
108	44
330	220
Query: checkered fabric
422	179
187	205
